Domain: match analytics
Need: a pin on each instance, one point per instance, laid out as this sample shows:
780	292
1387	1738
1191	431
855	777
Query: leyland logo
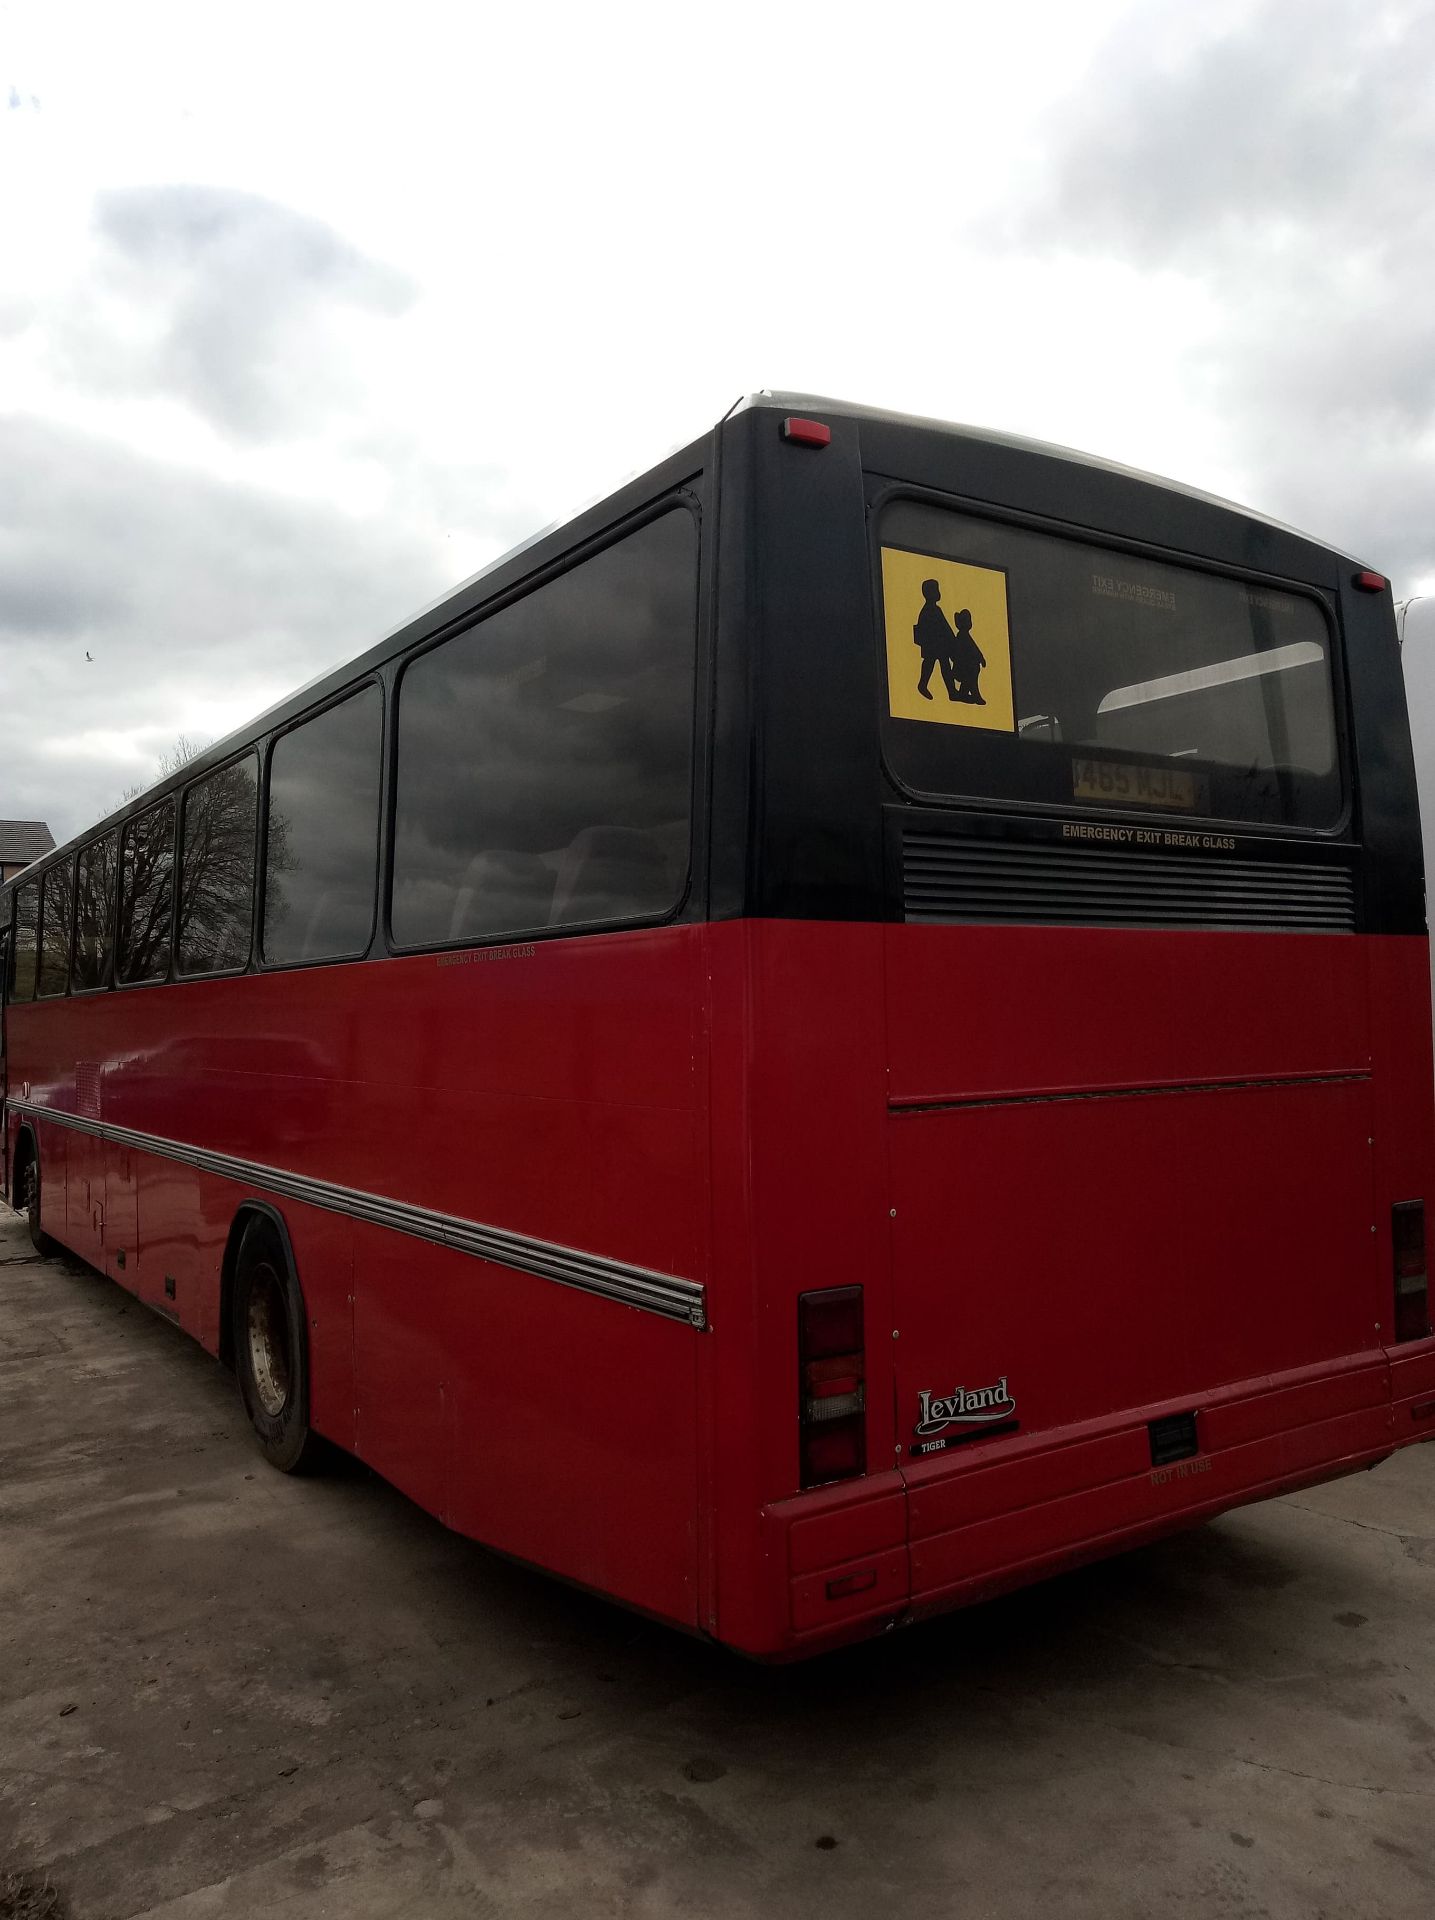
963	1407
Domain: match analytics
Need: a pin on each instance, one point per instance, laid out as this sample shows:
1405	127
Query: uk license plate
1119	784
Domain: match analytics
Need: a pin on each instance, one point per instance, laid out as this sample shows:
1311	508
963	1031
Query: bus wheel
270	1351
30	1207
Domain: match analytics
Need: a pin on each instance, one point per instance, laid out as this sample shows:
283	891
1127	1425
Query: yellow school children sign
948	643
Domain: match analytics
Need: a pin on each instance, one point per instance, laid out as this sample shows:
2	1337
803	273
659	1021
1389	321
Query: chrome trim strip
660	1293
1043	1096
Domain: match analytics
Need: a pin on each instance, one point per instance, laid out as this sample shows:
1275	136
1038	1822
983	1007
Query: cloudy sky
308	310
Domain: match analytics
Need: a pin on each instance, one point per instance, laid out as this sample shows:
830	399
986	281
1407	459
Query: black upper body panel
828	821
795	812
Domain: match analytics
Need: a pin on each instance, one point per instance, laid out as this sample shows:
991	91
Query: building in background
22	841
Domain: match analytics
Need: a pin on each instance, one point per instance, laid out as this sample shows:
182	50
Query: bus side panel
122	1226
574	1434
546	1422
186	1218
185	1221
85	1198
545	1089
323	1247
182	1244
550	1091
54	1145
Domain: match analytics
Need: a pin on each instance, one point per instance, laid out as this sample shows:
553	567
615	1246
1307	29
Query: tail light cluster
1412	1293
832	1385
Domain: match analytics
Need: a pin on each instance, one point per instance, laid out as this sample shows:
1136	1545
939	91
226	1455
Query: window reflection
1121	665
544	769
95	914
216	869
146	872
59	901
321	844
27	941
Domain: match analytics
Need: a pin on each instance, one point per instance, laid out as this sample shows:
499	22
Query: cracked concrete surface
227	1693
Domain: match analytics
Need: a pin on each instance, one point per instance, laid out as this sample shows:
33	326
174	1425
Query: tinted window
1024	666
95	914
27	928
544	771
321	844
55	914
146	871
216	869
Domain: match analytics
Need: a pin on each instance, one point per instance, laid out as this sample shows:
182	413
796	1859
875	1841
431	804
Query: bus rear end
1086	1022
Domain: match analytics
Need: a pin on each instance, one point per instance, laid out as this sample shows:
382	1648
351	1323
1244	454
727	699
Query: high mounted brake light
1369	582
1412	1295
831	1385
806	433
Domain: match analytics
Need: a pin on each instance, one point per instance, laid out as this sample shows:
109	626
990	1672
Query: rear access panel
1062	1259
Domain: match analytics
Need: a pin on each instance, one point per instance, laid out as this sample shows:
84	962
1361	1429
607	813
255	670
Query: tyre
271	1353
30	1206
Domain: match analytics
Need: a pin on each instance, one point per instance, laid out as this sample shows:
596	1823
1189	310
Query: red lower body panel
1412	1379
994	1516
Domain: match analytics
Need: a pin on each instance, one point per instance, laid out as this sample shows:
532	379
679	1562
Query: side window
56	914
545	755
216	869
322	839
27	942
146	873
95	915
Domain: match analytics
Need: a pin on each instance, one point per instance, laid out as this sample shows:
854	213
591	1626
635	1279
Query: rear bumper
964	1526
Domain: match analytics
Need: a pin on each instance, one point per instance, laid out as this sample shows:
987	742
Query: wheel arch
27	1148
248	1214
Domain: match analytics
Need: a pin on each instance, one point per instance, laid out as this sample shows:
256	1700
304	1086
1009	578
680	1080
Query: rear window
1022	666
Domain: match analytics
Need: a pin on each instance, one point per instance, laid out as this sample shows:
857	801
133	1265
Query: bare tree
216	853
216	889
172	760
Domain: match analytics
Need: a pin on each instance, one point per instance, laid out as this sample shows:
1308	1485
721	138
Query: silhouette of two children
957	654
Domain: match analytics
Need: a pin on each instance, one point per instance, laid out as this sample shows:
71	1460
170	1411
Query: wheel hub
268	1331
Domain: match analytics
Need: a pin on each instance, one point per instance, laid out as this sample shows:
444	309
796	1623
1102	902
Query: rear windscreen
1022	666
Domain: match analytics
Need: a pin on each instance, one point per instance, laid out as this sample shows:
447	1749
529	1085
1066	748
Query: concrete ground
223	1692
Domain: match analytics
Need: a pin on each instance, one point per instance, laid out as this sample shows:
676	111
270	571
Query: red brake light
806	433
831	1361
1369	582
1412	1295
830	1322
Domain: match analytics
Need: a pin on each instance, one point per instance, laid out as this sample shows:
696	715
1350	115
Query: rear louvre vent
950	879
